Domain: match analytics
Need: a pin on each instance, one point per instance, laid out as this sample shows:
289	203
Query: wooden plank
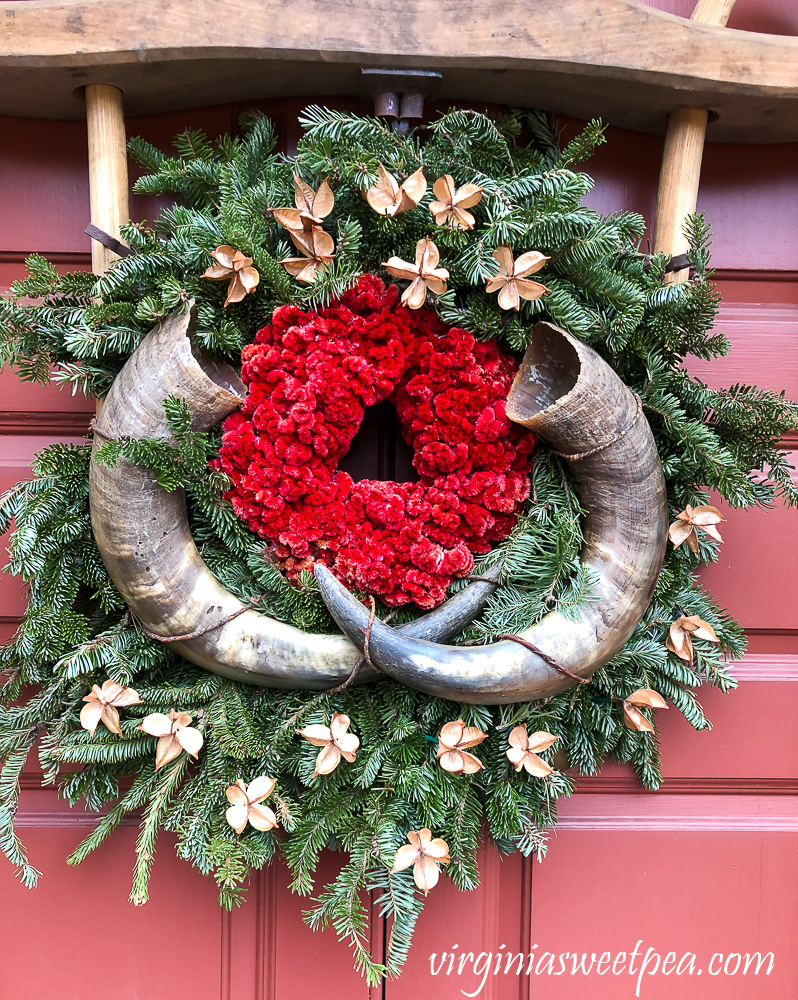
699	874
764	349
741	287
300	956
44	197
716	755
45	422
712	11
28	404
779	17
574	57
16	454
678	182
754	578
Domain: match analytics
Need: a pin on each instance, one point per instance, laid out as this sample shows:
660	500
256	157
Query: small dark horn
451	617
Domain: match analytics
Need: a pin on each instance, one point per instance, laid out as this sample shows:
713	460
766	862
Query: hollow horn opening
549	371
219	372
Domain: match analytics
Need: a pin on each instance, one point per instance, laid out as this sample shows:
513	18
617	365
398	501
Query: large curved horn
145	541
569	396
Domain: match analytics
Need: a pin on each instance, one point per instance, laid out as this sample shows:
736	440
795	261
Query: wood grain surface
108	180
576	56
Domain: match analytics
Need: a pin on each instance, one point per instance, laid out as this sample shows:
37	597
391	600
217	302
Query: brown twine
366	658
201	631
349	680
367	633
601	447
544	656
97	430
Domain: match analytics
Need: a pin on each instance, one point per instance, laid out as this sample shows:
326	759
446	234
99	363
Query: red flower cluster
311	376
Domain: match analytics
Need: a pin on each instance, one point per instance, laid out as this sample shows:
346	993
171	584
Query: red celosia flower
311	376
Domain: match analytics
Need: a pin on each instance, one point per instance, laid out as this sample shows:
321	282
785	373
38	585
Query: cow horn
144	538
568	395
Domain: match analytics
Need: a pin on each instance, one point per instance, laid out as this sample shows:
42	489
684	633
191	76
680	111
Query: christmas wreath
285	268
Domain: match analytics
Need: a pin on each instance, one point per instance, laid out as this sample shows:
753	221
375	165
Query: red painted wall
705	866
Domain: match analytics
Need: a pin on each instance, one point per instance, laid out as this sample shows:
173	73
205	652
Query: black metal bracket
678	263
109	242
400	93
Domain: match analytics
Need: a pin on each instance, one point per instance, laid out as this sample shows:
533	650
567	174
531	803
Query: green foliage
174	464
78	330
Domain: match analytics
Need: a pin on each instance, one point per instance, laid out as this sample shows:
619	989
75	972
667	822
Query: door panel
703	866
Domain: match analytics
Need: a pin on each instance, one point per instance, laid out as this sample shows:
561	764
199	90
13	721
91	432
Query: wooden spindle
681	158
712	12
108	190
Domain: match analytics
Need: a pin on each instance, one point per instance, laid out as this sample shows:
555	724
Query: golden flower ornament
683	631
335	742
317	249
522	751
175	734
511	283
691	520
102	705
389	197
452	203
453	742
246	804
424	274
633	717
425	854
233	266
312	207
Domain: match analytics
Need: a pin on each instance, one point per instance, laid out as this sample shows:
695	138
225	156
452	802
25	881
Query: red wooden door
704	867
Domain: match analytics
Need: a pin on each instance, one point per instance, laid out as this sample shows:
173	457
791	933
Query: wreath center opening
378	451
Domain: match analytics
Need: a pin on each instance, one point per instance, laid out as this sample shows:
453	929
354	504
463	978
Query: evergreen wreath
79	330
